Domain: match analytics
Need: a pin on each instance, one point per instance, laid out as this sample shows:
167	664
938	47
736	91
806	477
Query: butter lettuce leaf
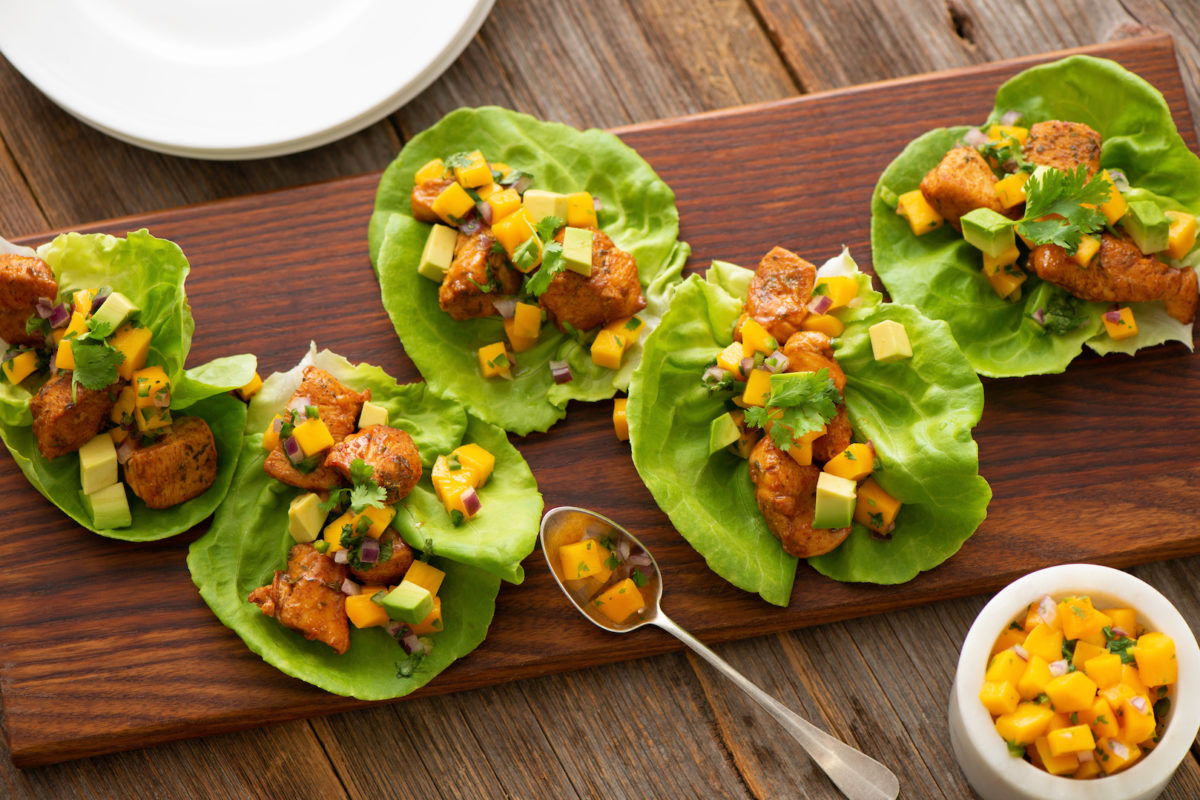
151	273
638	213
939	273
918	412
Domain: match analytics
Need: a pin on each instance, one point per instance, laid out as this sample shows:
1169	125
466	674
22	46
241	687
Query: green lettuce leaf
638	214
151	273
939	273
918	412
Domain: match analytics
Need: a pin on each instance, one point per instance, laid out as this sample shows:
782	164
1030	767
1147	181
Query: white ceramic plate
234	79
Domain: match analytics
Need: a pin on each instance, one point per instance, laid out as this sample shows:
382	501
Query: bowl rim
1107	586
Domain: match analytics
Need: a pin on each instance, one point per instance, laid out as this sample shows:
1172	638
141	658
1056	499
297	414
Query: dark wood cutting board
106	645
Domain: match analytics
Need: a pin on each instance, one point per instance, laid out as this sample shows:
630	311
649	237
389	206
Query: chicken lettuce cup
522	262
95	404
787	413
1067	219
369	531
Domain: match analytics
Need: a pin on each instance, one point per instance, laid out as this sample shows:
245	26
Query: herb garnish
799	403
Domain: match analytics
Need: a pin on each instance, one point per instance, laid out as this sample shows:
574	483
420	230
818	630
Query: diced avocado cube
1147	225
372	414
408	602
438	253
991	232
540	204
577	250
305	517
97	464
889	341
835	501
113	312
109	507
722	432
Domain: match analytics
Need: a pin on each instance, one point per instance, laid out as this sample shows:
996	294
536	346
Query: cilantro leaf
459	160
361	471
1053	191
526	254
99	328
547	229
96	363
365	491
1061	314
336	497
799	403
552	264
36	324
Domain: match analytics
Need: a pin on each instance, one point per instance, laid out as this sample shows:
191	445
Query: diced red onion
1113	316
1039	316
60	316
293	450
505	306
1140	703
410	642
746	365
1085	755
341	557
471	502
1119	748
1058	668
470	226
162	398
368	551
820	304
395	627
776	362
44	307
624	547
1118	632
124	450
596	204
1021	651
1119	181
640	559
975	137
561	372
522	183
1048	610
349	587
1010	165
98	300
714	375
485	212
1010	117
883	537
277	424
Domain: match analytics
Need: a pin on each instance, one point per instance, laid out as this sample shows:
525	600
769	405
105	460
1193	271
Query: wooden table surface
661	727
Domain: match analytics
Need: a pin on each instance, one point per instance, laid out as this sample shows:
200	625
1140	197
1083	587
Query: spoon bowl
632	568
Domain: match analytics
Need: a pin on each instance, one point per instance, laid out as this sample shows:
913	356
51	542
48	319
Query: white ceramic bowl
984	756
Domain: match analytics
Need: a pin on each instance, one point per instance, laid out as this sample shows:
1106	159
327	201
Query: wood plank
154	628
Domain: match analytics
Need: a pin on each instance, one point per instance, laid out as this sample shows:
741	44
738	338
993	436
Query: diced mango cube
1087	769
150	419
801	450
999	697
755	338
476	173
1088	247
1074	739
607	349
1131	676
380	519
1137	719
1027	723
513	230
1083	652
527	320
998	133
1045	641
504	203
628	330
1006	282
827	324
134	344
854	463
620	419
453	204
1101	718
1080	620
1104	669
1115	206
585	559
875	508
841	289
501	168
1125	619
1115	755
518	344
478	462
921	216
365	612
151	387
81	301
1034	679
20	366
77	325
1073	691
992	266
1123	328
730	360
1155	657
425	575
1010	191
251	388
1012	635
758	388
433	170
1005	666
620	602
64	358
494	361
270	435
333	531
1182	233
432	623
313	436
581	210
449	479
1055	765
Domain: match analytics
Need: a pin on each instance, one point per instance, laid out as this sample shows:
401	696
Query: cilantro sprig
96	363
1054	193
552	255
799	403
364	490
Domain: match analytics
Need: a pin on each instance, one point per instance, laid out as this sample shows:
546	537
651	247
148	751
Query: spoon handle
859	776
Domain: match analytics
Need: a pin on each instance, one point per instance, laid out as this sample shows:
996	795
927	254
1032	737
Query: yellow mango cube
477	461
1006	282
494	361
432	622
77	325
801	450
527	320
1125	619
992	266
841	289
270	435
365	612
1045	641
827	324
875	508
998	133
313	436
476	173
1115	696
1115	755
1155	657
513	229
628	330
518	344
1034	679
20	366
63	357
1182	233
449	478
1075	739
1055	765
425	575
1115	206
151	419
620	419
581	210
380	519
921	216
1083	652
730	360
433	170
1086	770
504	202
1074	691
251	388
1005	666
134	344
453	204
1080	620
999	697
585	559
151	387
333	531
755	338
1123	328
1026	724
1101	719
1137	725
607	349
758	388
452	498
1010	191
620	602
1011	636
1104	669
1131	676
81	301
502	168
854	463
1089	246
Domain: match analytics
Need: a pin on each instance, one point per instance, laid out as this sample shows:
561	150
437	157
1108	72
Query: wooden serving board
106	645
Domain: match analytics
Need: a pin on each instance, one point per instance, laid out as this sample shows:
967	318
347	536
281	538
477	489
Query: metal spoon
859	776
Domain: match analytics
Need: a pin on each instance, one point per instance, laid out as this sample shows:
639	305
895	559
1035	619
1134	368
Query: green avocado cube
97	463
372	414
408	602
108	507
722	432
577	250
306	518
889	341
989	231
1147	225
835	501
438	253
113	312
540	204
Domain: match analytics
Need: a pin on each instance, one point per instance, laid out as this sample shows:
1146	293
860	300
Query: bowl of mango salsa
1076	681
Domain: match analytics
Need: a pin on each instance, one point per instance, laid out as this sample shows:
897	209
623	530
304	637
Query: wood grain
151	629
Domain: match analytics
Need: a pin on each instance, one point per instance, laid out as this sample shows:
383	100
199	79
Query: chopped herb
581	570
321	545
514	176
876	519
1015	626
1102	719
498	248
612	562
552	264
549	226
459	160
36	324
526	255
820	289
1068	652
408	666
96	364
1056	192
99	328
1061	313
1162	707
484	288
799	403
1122	646
849	454
632	324
639	580
1016	750
456	518
312	412
364	525
1042	699
1074	717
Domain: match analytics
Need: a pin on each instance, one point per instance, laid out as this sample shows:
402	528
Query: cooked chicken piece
786	495
62	426
423	195
389	450
1063	145
179	466
1119	274
476	277
391	571
613	290
961	182
339	407
780	291
837	436
308	597
23	279
811	351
